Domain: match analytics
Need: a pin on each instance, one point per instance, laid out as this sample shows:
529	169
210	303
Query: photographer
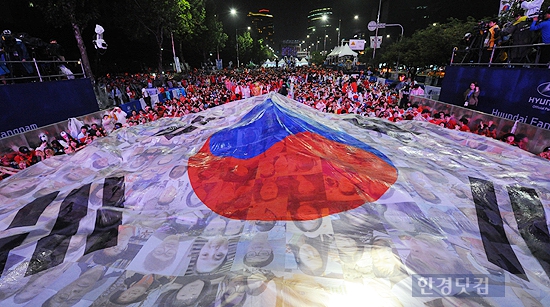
520	34
493	34
15	50
55	51
544	27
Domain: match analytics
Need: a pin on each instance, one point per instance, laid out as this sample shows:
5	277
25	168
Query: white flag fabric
268	202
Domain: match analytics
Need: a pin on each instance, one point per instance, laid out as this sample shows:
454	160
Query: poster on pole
177	64
375	41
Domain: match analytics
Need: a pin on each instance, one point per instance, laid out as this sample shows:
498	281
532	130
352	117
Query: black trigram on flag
51	249
531	220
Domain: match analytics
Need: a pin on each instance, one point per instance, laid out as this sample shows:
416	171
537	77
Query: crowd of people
322	89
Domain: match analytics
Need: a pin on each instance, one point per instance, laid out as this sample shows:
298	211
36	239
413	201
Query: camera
482	26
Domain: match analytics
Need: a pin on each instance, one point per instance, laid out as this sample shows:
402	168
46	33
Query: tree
77	14
245	43
430	46
158	18
207	36
264	53
317	58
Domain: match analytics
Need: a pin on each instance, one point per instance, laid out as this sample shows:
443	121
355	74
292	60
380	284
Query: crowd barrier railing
42	70
500	56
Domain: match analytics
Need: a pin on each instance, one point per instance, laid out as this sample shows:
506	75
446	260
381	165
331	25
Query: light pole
237	46
399	39
325	43
376	31
233	12
324	18
339	27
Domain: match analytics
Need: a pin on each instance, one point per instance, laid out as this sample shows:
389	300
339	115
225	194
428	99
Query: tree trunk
161	75
160	59
83	53
160	39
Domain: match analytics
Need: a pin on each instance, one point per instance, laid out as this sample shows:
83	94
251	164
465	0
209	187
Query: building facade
262	25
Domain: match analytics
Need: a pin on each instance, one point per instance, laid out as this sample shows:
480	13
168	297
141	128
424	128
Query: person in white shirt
119	115
417	90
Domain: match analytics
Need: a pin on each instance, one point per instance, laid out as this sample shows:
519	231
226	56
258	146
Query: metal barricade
530	60
42	71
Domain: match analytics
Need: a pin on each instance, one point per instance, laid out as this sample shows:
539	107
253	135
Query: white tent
346	51
341	54
332	57
334	51
269	63
302	62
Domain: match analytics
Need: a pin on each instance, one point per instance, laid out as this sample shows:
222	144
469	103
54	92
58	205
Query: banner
521	94
268	202
357	44
28	106
375	41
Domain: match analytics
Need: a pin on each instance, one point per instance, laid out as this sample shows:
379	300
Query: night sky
290	16
290	22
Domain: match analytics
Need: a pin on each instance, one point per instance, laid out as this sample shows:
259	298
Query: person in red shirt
25	157
463	125
451	122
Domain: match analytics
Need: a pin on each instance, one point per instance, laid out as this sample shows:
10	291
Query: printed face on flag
266	201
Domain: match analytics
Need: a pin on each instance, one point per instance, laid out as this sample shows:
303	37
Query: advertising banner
357	44
31	105
520	94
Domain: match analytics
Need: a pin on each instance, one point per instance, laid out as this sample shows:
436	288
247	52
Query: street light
325	42
339	27
233	12
324	18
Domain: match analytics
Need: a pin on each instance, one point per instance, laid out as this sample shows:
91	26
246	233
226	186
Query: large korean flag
267	202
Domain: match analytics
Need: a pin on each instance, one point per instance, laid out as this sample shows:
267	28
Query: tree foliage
430	46
158	19
317	58
75	13
245	43
205	37
264	52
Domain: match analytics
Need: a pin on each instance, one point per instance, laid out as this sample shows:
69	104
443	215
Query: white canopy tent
269	63
346	51
302	62
341	54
